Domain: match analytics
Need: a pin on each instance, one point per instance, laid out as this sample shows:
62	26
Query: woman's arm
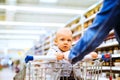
97	32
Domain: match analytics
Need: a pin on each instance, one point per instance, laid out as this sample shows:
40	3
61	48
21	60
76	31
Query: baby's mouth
65	47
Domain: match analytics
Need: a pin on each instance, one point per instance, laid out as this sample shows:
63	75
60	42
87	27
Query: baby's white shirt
67	65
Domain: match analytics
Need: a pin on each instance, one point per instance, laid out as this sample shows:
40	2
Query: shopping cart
46	70
43	71
88	70
20	75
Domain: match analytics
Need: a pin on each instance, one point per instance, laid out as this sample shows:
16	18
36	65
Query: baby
63	43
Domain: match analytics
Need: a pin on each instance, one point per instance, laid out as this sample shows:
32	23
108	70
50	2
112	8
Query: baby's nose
65	42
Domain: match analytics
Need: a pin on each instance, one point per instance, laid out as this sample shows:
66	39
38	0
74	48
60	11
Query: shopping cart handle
28	58
40	57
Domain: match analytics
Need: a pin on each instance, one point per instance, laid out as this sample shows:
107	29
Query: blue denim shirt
107	19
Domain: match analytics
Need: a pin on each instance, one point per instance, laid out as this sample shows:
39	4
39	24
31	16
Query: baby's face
64	41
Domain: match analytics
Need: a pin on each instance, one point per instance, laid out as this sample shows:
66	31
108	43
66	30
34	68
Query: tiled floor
6	74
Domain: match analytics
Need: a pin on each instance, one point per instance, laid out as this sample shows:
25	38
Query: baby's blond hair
63	31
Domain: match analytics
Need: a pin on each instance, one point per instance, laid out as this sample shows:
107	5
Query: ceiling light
42	9
31	24
48	1
19	37
23	31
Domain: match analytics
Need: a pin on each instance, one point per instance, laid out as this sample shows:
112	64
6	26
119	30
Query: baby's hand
66	54
59	56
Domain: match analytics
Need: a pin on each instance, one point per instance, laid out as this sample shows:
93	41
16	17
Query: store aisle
6	74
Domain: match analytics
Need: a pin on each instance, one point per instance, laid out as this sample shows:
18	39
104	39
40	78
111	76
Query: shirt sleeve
97	32
51	52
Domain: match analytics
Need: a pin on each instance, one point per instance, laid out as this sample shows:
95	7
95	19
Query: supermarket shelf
77	33
92	7
103	45
113	68
115	55
75	25
91	17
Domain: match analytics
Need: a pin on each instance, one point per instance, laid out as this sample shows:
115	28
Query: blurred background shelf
29	26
